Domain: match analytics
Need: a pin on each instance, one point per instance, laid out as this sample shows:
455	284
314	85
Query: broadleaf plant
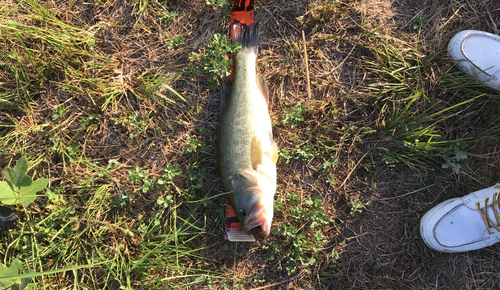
14	270
18	187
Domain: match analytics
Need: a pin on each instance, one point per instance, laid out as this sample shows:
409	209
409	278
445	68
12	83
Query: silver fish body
248	153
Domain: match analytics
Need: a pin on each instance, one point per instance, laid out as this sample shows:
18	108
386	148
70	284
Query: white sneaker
478	54
465	223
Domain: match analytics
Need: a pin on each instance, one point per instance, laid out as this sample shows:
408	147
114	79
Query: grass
116	104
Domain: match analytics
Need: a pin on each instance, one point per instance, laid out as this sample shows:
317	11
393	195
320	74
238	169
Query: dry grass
347	44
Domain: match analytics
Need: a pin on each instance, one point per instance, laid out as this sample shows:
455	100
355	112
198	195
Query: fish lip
257	217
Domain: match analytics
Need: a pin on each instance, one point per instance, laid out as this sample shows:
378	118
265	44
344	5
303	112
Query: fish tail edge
246	35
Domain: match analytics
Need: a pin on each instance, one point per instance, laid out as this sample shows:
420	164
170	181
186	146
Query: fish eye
242	212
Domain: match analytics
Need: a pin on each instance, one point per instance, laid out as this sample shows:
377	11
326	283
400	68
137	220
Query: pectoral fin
256	152
274	153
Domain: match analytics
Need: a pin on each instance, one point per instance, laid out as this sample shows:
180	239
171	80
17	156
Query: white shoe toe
478	54
456	225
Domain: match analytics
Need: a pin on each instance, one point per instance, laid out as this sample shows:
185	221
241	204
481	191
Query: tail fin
246	35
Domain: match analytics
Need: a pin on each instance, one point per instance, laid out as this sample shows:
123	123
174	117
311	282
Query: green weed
141	177
156	87
167	18
19	188
357	206
301	234
420	21
175	41
217	3
169	172
165	201
378	265
138	125
14	270
454	162
286	155
149	182
293	116
196	178
60	111
406	114
92	119
328	165
193	145
212	62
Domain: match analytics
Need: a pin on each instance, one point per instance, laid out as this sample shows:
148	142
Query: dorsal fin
262	85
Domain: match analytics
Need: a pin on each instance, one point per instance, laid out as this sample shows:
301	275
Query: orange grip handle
242	11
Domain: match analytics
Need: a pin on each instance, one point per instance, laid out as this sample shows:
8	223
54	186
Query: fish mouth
257	217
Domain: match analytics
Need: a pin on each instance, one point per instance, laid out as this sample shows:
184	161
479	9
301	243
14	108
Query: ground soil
377	248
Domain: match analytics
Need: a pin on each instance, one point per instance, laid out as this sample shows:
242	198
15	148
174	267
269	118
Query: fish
247	151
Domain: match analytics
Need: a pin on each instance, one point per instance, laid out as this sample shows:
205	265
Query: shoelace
484	214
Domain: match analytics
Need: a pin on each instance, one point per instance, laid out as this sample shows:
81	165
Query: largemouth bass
248	153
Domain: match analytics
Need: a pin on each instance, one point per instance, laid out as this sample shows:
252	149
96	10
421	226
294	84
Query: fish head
256	211
253	203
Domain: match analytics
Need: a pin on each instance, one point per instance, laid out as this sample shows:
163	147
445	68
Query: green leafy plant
389	159
357	206
167	17
92	118
174	41
196	178
298	154
165	201
218	3
293	116
138	125
421	20
148	182
139	176
14	270
60	111
328	165
169	172
302	236
213	62
193	145
20	188
379	265
454	162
